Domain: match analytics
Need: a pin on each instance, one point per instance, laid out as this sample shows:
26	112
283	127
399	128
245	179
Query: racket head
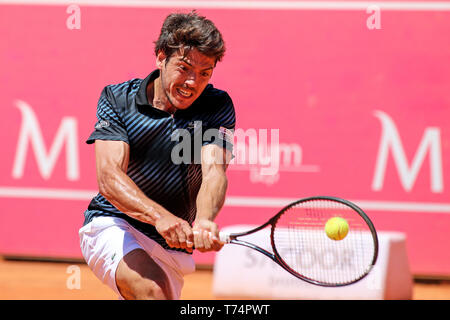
301	246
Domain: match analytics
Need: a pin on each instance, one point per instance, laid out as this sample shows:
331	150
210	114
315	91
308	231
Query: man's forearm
211	196
125	195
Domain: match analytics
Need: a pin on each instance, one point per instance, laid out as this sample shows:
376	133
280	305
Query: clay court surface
24	280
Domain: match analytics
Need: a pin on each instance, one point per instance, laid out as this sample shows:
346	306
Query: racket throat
255	247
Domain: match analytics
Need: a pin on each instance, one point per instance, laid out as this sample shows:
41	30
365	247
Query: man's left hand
206	236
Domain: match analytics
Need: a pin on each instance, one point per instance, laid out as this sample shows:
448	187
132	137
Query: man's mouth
184	93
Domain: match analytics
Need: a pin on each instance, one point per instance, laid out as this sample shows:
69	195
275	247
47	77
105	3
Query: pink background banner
361	113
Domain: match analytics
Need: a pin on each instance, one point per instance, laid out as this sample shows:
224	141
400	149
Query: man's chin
183	105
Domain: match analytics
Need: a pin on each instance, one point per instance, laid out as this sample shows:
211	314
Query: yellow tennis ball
336	228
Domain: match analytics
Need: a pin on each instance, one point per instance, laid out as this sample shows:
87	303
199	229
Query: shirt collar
141	96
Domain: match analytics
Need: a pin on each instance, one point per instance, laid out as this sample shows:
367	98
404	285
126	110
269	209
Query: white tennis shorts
106	240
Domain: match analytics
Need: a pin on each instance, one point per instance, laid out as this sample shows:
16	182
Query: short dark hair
186	31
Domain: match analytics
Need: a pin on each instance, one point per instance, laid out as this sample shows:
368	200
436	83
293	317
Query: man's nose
191	79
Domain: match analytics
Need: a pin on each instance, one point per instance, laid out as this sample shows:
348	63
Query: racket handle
224	237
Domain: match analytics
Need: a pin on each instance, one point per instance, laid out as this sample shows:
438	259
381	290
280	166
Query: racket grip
223	236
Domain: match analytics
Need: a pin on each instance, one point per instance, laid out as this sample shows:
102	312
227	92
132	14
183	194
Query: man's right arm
116	186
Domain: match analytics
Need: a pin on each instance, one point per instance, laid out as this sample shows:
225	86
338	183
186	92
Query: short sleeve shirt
164	148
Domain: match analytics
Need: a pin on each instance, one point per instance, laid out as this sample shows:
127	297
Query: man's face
183	79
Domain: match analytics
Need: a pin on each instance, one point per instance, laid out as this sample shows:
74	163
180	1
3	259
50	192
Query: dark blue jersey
124	114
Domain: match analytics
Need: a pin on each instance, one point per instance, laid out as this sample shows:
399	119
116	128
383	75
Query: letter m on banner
390	141
30	134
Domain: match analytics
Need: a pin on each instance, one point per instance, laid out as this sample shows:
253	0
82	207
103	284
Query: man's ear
160	59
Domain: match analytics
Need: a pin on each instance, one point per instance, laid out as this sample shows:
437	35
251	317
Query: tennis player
140	230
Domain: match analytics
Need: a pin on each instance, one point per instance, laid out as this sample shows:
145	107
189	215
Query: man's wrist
154	213
199	220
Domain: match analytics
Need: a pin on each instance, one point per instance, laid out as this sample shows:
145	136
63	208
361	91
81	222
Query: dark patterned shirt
124	114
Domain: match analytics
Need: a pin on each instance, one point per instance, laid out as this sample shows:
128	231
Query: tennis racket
301	247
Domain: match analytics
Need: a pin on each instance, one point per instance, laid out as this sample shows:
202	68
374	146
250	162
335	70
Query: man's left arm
211	197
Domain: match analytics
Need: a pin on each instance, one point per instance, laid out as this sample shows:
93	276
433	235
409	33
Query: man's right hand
176	231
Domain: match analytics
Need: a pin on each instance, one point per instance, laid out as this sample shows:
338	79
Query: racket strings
302	244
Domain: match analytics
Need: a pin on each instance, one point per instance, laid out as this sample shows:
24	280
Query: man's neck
157	98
